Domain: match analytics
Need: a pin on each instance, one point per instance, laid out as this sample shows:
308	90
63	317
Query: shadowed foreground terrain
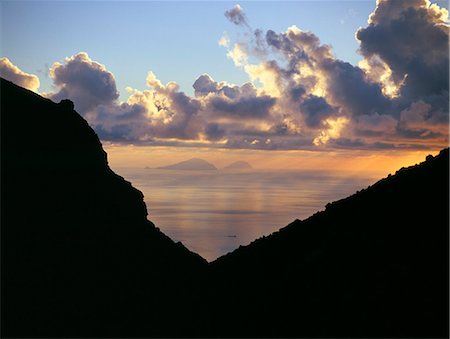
80	259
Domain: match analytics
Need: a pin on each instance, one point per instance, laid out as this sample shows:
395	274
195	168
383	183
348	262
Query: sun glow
333	130
353	162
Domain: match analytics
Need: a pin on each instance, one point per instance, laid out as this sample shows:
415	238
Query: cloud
333	130
170	113
419	117
237	16
299	95
315	110
205	85
347	87
224	100
11	72
224	40
405	50
411	38
269	74
256	107
238	54
214	131
376	123
312	66
84	81
122	122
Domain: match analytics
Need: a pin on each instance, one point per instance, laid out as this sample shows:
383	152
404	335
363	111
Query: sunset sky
300	84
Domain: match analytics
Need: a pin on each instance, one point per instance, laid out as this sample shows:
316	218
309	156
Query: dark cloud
375	125
247	107
345	84
296	92
205	85
359	144
350	90
184	105
315	110
121	112
306	98
237	16
411	37
349	143
116	133
422	118
214	131
86	82
231	101
120	122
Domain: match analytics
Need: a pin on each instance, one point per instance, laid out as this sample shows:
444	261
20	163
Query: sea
214	212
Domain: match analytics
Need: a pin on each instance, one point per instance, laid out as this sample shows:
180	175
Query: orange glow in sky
377	164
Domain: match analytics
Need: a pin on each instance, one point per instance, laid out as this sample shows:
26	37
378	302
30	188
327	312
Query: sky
176	40
360	79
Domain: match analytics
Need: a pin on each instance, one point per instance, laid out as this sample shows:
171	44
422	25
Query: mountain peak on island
238	165
191	165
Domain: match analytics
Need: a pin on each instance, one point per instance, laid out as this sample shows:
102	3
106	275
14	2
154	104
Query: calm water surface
213	212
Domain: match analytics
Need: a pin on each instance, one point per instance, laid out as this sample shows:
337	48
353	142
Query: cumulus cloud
312	67
256	107
170	113
205	85
224	101
11	72
299	95
405	50
84	81
316	110
410	38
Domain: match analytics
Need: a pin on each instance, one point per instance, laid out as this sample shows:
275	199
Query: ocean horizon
214	212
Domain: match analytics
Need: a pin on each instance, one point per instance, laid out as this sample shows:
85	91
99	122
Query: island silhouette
238	165
194	164
81	259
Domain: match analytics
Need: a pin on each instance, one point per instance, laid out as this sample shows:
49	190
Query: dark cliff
79	257
372	265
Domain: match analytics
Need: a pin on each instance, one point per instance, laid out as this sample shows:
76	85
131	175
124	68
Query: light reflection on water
213	212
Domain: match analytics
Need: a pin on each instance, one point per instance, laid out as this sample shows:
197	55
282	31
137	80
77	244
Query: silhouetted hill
191	165
372	265
238	165
79	257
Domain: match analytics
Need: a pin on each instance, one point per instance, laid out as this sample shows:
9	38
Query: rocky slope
372	265
79	257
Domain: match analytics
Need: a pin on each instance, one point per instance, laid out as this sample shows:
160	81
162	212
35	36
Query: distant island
193	164
238	165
